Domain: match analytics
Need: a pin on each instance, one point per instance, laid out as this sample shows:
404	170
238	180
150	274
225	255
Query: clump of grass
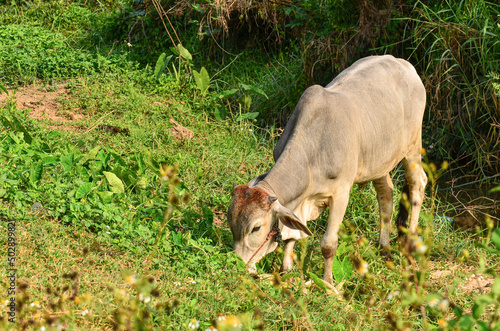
456	44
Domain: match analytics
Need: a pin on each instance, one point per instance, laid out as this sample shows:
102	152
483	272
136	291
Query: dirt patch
479	283
43	105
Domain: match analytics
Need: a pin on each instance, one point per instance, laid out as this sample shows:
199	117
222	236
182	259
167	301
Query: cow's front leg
384	188
337	205
287	256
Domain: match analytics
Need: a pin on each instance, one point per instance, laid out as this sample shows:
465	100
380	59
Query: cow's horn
271	199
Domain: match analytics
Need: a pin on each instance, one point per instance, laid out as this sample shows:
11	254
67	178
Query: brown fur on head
251	216
247	202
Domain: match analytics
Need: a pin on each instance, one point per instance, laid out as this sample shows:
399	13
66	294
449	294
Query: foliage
108	237
456	44
30	52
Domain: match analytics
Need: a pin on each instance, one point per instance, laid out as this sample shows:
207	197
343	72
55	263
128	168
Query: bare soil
43	104
445	274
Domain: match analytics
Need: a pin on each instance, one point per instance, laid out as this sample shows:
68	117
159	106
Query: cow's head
251	216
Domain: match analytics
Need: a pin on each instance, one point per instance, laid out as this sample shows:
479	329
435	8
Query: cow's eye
257	228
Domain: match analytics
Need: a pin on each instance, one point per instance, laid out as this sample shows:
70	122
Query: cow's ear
289	219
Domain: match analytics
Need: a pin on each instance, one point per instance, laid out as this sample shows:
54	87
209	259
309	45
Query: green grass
89	206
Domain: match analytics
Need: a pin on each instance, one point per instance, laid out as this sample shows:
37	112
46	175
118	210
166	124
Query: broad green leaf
50	159
225	94
247	116
2	88
83	190
247	102
341	269
142	183
495	238
18	126
466	322
483	326
202	80
82	171
90	155
184	53
341	249
161	64
119	159
14	137
254	89
36	171
105	197
67	161
290	275
115	182
495	189
220	114
495	288
129	178
318	281
140	165
481	302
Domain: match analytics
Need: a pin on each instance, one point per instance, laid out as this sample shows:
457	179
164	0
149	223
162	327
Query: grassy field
115	180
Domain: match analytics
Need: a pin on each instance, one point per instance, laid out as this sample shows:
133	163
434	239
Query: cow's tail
403	209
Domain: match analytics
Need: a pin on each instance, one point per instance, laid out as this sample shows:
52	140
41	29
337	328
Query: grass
89	205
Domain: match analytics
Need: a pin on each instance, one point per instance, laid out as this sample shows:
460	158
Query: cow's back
363	121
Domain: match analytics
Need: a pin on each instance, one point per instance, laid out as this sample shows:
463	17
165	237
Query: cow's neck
285	189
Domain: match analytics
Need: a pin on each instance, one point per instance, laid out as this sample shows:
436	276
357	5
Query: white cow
353	131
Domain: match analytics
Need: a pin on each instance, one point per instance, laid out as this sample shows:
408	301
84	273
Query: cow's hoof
386	253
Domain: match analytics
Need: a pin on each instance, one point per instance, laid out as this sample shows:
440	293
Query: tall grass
456	46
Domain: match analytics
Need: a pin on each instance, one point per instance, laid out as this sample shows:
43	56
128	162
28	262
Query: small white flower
108	232
363	268
129	44
146	299
390	296
191	280
131	280
221	317
177	283
433	302
4	303
84	311
42	328
420	246
193	324
35	304
108	226
211	328
444	304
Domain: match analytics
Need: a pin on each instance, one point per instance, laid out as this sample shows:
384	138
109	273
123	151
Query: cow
353	131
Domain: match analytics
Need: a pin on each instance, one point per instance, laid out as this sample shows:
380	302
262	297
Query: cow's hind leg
416	179
329	242
384	188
